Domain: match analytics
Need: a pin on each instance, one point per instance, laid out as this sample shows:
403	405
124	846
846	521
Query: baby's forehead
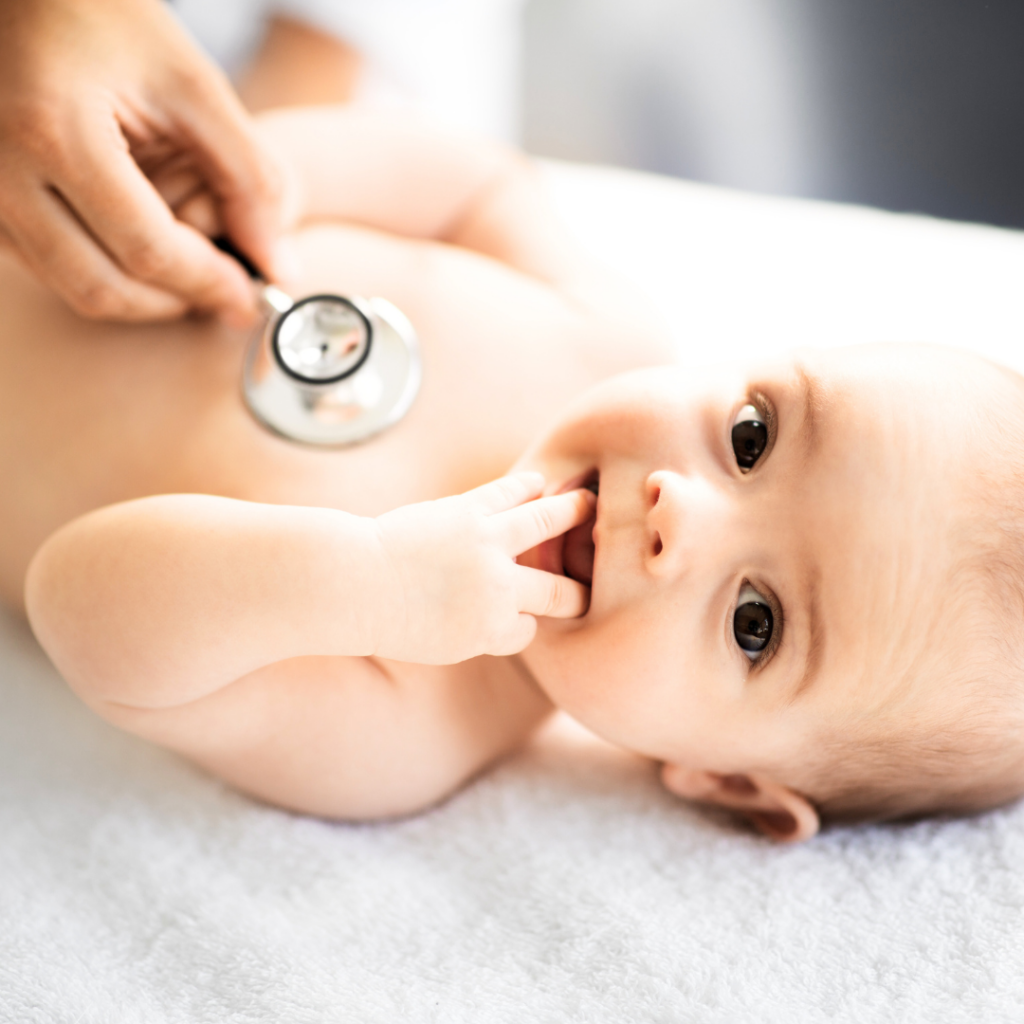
915	446
882	506
933	380
922	415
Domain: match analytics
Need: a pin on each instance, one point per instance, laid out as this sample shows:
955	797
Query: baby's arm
407	178
185	618
391	172
411	178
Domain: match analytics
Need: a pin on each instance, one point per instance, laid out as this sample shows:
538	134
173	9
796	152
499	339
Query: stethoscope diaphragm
327	369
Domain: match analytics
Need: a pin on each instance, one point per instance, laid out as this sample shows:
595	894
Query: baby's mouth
572	553
578	552
578	543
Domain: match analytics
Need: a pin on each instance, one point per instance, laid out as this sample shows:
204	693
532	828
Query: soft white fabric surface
565	886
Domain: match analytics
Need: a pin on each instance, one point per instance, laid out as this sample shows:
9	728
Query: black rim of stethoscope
323	380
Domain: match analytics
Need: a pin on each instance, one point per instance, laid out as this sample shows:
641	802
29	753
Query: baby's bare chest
92	414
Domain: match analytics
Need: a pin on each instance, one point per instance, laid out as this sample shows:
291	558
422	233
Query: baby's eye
749	437
752	622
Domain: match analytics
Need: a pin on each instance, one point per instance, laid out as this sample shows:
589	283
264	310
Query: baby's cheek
581	671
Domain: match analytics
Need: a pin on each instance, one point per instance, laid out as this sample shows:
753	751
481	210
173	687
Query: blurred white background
906	104
711	89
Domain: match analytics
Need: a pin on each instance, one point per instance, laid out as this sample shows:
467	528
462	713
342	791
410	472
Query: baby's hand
455	589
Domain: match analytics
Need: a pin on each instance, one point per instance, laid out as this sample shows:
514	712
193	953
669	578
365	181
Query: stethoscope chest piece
330	370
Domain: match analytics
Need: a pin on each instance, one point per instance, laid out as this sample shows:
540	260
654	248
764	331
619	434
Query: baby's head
817	613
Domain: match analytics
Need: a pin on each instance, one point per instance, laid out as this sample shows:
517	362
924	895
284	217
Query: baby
796	585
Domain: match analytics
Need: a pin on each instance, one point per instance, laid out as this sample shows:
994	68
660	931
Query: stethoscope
328	369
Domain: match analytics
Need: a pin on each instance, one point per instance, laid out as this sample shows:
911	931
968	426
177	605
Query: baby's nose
687	520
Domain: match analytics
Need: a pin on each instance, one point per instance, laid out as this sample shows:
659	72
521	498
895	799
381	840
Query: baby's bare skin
294	641
97	414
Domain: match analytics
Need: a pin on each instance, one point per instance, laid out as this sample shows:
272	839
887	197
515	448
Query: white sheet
565	886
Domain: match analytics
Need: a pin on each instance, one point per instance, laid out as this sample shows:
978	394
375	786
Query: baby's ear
772	809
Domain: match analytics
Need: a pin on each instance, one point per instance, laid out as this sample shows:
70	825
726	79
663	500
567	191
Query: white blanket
565	886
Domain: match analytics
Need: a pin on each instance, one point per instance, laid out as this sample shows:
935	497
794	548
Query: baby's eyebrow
813	401
816	637
813	395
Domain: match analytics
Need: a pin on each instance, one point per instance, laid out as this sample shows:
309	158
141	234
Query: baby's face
753	590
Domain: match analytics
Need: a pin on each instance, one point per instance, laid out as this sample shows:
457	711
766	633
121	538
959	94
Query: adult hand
99	99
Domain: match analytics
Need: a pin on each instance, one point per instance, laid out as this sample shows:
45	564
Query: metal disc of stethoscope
328	369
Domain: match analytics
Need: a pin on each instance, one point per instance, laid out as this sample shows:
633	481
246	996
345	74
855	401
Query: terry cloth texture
565	886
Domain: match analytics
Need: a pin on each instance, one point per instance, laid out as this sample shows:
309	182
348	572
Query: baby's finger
508	492
533	523
544	593
518	639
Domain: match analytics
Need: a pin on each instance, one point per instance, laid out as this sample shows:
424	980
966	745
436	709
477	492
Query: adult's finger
506	492
544	593
182	187
246	179
533	523
175	182
200	211
122	209
65	257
